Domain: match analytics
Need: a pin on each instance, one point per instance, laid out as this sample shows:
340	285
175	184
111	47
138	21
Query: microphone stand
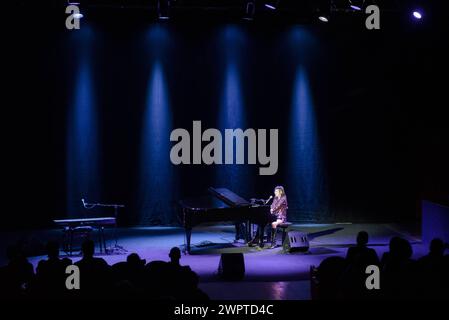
268	200
89	206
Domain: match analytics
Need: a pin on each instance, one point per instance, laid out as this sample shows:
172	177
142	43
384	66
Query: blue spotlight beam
156	176
82	142
305	172
232	113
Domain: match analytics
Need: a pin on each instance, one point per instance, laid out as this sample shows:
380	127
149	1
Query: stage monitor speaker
296	241
232	266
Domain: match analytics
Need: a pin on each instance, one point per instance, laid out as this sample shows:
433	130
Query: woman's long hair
281	189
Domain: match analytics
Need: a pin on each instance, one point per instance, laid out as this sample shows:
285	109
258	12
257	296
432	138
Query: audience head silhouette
406	250
336	277
394	244
362	238
134	259
175	255
437	247
52	249
88	248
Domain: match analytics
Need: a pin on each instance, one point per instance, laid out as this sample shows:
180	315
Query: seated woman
278	209
279	215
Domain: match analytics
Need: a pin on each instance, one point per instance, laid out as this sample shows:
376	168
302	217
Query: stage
270	273
155	116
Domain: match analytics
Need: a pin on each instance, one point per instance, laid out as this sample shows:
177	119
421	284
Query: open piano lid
229	197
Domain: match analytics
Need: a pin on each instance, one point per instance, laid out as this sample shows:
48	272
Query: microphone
268	199
84	203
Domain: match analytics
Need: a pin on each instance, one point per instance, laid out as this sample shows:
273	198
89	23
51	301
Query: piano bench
284	226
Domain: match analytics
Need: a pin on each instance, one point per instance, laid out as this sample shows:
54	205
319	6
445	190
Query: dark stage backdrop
92	111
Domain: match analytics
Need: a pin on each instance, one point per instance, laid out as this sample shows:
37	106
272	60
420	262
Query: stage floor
270	273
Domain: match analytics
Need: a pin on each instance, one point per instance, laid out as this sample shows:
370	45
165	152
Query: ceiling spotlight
356	5
272	5
75	5
250	9
163	9
322	10
417	15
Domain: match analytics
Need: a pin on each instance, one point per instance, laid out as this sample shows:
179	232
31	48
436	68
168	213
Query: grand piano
226	206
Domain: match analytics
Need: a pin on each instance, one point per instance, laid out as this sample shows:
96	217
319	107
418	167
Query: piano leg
71	242
102	240
249	233
261	230
188	236
65	240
